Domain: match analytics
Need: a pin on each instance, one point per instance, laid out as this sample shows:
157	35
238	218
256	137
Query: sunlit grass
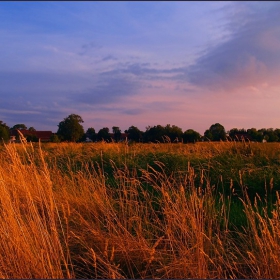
112	210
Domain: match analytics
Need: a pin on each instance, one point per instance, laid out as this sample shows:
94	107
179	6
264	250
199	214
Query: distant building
12	139
88	140
43	136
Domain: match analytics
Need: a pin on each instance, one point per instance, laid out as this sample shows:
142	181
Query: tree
54	138
256	135
70	129
155	133
31	138
208	135
91	134
103	134
134	133
234	132
4	131
31	128
238	134
270	135
277	132
19	126
173	132
216	132
117	133
191	136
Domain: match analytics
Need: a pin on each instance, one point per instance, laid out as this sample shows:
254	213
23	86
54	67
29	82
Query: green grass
204	210
226	166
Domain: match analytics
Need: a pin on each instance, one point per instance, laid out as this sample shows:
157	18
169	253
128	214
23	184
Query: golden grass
71	223
29	222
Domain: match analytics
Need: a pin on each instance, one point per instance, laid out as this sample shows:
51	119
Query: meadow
119	210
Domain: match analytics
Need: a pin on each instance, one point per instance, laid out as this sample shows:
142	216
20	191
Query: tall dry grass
64	222
31	242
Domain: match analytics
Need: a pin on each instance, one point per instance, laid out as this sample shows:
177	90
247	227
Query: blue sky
190	64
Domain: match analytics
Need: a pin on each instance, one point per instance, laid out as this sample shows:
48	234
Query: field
117	210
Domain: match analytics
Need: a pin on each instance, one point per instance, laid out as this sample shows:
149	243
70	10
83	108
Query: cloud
109	57
108	90
87	48
143	71
39	99
133	111
41	84
250	58
42	119
26	94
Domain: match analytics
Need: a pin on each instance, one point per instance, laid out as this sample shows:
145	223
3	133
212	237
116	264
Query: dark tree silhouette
216	132
55	138
4	131
91	134
117	133
19	126
269	134
70	129
134	133
174	132
103	134
191	136
154	134
256	135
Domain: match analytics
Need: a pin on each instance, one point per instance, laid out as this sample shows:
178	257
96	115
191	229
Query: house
12	139
43	136
88	140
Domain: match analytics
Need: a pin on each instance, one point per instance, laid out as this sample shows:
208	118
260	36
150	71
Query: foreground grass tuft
209	210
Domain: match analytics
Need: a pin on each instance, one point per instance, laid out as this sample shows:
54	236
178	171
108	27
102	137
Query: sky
189	64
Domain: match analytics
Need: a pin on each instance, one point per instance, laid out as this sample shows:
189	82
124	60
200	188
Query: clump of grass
134	234
118	211
261	238
31	246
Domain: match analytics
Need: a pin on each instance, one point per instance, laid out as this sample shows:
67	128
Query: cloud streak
249	58
107	91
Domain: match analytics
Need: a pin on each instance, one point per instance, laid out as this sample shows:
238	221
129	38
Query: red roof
42	135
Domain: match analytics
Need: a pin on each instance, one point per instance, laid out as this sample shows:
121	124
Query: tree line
71	129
